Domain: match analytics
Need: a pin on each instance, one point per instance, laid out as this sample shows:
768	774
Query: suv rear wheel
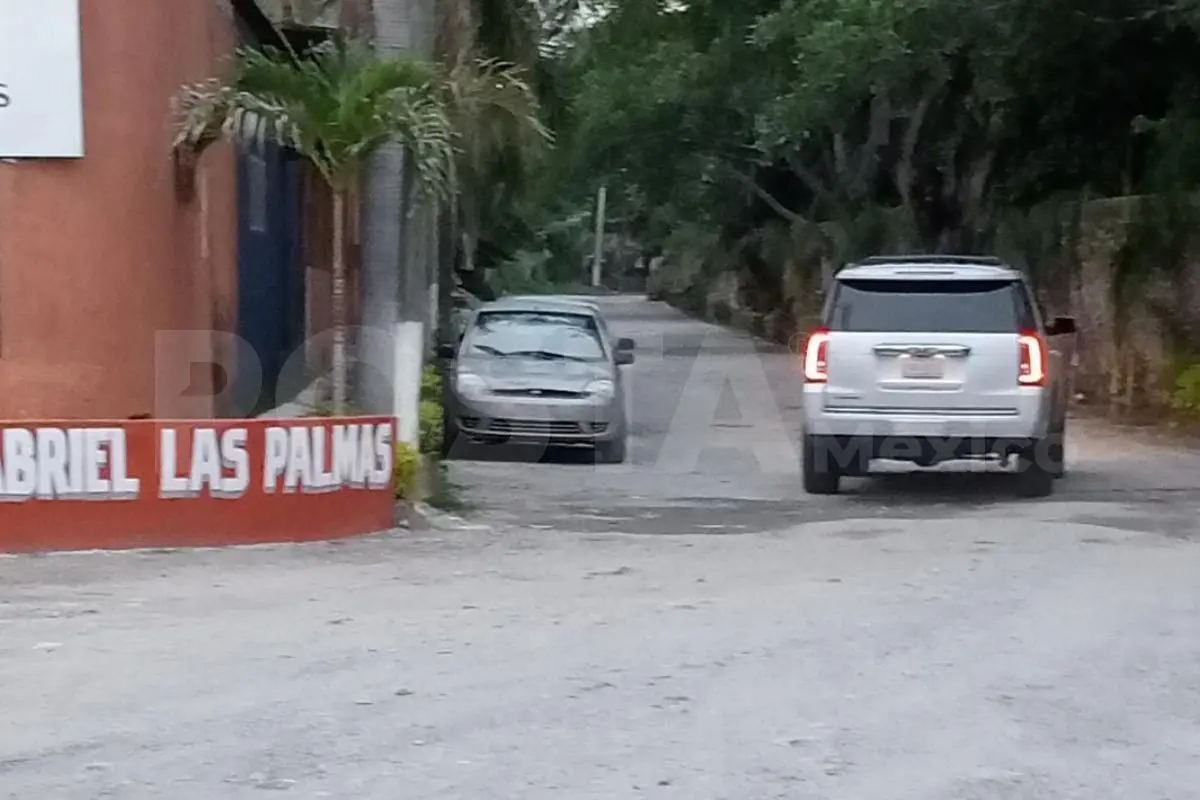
1036	469
821	476
1058	451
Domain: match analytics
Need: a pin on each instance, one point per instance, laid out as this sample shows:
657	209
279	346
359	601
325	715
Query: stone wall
1131	342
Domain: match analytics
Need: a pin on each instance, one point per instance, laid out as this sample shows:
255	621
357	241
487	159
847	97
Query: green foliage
408	458
526	273
746	136
335	105
431	413
431	383
725	114
1158	237
406	471
1186	396
431	431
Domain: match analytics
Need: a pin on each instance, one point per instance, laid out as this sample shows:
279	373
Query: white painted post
409	354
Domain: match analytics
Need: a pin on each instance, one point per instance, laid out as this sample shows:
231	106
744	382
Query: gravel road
685	626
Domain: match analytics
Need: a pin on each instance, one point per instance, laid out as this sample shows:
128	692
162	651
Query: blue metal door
270	269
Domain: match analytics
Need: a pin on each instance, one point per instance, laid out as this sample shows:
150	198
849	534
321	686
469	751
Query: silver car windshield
535	334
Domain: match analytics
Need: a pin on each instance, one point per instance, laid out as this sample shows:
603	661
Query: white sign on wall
41	95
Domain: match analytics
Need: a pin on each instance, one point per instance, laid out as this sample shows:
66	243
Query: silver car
462	304
928	359
540	371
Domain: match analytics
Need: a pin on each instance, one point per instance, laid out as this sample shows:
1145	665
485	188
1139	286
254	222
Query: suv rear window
930	306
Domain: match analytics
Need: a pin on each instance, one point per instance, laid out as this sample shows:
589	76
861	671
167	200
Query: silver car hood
519	374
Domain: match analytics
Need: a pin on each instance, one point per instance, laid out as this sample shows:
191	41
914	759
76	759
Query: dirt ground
688	626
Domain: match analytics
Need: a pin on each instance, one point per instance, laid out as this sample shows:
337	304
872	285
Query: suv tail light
1031	369
816	356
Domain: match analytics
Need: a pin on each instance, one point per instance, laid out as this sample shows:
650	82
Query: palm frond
495	115
428	135
489	91
200	110
335	105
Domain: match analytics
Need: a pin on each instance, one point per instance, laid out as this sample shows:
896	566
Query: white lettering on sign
312	459
346	465
93	463
385	453
220	465
71	464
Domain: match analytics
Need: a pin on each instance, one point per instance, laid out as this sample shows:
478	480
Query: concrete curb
411	517
426	469
443	521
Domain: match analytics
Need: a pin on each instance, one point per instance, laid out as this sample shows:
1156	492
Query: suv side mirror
447	351
625	343
623	358
1061	326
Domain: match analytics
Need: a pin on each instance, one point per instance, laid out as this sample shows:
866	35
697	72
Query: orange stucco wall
98	254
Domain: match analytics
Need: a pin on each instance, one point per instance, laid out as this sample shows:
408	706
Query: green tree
335	105
821	109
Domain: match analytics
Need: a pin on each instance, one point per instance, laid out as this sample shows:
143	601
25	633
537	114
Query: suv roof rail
989	261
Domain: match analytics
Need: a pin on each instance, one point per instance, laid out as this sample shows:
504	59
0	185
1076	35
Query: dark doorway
271	286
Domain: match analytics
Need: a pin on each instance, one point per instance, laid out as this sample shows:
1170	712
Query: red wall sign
159	483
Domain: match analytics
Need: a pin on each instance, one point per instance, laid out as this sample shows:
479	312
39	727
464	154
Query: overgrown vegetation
432	415
407	472
750	147
1186	396
422	463
756	145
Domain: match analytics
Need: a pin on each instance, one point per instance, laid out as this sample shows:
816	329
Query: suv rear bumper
851	455
1028	420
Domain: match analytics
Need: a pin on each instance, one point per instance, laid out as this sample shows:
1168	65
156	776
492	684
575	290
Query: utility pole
598	252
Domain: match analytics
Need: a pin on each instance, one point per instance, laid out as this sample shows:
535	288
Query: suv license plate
922	367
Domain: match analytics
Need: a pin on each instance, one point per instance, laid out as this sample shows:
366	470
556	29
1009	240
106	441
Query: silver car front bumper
539	420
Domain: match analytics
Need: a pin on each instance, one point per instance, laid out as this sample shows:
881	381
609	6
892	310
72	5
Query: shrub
1186	396
431	427
431	384
406	470
431	411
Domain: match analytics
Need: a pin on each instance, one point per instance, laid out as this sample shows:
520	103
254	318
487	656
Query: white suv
928	359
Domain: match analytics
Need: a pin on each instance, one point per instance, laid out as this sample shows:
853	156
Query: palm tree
492	106
494	116
393	265
335	105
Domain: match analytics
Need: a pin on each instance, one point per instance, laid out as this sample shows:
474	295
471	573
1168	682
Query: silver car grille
548	393
531	427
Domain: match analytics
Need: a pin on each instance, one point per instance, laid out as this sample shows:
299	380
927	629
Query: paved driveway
909	640
715	448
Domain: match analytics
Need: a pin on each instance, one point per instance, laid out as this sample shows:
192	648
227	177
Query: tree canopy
730	113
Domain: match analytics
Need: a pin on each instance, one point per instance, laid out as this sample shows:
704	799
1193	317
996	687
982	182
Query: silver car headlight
469	385
603	389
